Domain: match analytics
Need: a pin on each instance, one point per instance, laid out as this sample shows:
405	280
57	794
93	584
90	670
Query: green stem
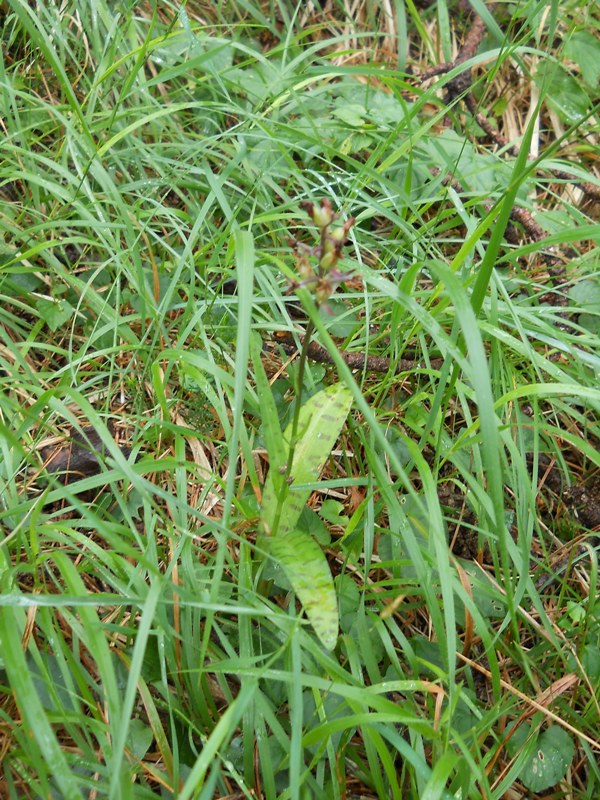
298	402
295	420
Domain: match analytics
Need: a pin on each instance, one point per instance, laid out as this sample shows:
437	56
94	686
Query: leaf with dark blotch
321	420
306	568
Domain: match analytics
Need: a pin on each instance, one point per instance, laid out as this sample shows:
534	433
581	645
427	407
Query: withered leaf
80	456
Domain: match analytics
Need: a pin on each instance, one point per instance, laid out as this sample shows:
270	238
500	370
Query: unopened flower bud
323	292
323	216
305	269
328	261
339	235
329	245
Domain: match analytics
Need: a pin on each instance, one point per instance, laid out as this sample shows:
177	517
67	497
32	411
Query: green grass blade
222	732
12	623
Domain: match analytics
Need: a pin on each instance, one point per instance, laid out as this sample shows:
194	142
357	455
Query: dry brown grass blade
466	584
541	703
535	704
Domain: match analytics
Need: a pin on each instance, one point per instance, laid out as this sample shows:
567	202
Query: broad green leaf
304	563
332	511
590	661
586	294
352	114
55	312
321	420
564	93
549	760
311	522
584	49
341	322
307	570
141	737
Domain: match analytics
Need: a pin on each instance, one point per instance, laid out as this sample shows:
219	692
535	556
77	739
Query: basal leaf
352	114
55	312
564	93
584	49
549	761
321	420
307	570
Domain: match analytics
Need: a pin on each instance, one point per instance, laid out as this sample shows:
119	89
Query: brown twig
517	214
589	189
459	87
462	83
358	360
